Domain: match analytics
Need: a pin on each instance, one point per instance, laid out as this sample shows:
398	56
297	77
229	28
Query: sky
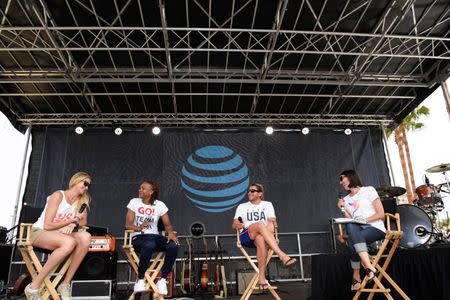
429	147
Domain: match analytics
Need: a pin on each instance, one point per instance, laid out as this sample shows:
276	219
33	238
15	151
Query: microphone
240	220
427	181
342	207
82	208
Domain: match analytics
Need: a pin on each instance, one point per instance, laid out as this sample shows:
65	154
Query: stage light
156	130
118	131
269	129
348	131
305	130
79	130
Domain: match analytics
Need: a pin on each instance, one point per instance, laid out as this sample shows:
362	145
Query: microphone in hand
342	206
82	208
240	220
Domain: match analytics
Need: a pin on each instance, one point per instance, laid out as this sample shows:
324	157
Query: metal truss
203	120
289	58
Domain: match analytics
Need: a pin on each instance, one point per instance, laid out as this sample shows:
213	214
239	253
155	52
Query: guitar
186	275
204	271
217	269
223	289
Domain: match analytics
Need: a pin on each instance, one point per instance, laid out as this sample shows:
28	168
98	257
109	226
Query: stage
421	274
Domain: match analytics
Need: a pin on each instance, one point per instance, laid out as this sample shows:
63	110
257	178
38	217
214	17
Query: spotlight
79	130
348	131
156	130
305	130
269	129
118	131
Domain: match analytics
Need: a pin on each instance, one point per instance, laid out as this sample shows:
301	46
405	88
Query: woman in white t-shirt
55	230
362	203
142	216
257	222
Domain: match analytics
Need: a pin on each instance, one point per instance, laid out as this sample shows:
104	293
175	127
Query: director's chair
381	260
254	281
28	252
152	271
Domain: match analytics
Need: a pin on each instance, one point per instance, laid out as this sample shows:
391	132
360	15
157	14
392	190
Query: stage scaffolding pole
19	186
388	155
446	97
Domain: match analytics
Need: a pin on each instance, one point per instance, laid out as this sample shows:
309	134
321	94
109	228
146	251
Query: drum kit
420	221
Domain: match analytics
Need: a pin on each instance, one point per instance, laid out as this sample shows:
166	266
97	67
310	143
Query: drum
416	226
428	195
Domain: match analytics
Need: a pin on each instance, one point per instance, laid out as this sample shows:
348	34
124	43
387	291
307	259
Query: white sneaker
32	294
162	286
139	286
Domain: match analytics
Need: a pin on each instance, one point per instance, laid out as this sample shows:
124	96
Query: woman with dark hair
143	215
363	204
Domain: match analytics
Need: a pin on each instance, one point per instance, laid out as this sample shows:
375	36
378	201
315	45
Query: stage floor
286	290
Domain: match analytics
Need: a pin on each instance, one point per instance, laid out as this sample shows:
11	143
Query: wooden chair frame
392	239
34	265
254	281
152	271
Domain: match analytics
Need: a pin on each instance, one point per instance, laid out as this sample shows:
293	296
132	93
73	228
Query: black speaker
5	264
98	266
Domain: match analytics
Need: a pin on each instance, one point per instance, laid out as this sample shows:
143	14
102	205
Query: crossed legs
262	235
358	238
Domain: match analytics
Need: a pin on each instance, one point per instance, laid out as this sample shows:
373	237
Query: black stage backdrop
204	174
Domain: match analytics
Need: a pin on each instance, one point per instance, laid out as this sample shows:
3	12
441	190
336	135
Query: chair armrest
24	233
127	238
238	239
342	238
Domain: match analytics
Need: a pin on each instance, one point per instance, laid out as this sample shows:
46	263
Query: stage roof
184	63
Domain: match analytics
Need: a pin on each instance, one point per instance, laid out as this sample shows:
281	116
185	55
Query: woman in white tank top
55	231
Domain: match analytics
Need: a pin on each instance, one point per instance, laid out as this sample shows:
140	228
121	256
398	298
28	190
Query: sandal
354	284
264	286
374	274
289	262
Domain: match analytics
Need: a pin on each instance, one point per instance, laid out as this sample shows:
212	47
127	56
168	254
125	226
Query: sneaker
65	292
32	294
162	286
139	286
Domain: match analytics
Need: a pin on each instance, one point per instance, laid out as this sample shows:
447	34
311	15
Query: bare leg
261	229
261	257
83	239
61	245
365	260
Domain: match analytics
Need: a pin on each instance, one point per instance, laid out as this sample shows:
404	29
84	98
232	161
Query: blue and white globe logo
215	178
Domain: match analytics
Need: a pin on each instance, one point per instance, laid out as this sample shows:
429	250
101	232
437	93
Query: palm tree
409	123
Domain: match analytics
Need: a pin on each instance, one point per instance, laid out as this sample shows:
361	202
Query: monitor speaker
98	266
243	278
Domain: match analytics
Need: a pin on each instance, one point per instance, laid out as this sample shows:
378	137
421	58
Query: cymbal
438	168
390	191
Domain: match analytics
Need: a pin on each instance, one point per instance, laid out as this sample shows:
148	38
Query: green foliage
412	121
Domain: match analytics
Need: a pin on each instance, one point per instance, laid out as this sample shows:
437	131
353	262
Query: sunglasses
86	183
253	191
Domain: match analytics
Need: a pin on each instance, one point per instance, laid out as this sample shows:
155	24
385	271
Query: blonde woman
55	230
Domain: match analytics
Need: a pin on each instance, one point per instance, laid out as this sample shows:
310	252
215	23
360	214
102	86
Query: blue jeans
358	238
146	244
